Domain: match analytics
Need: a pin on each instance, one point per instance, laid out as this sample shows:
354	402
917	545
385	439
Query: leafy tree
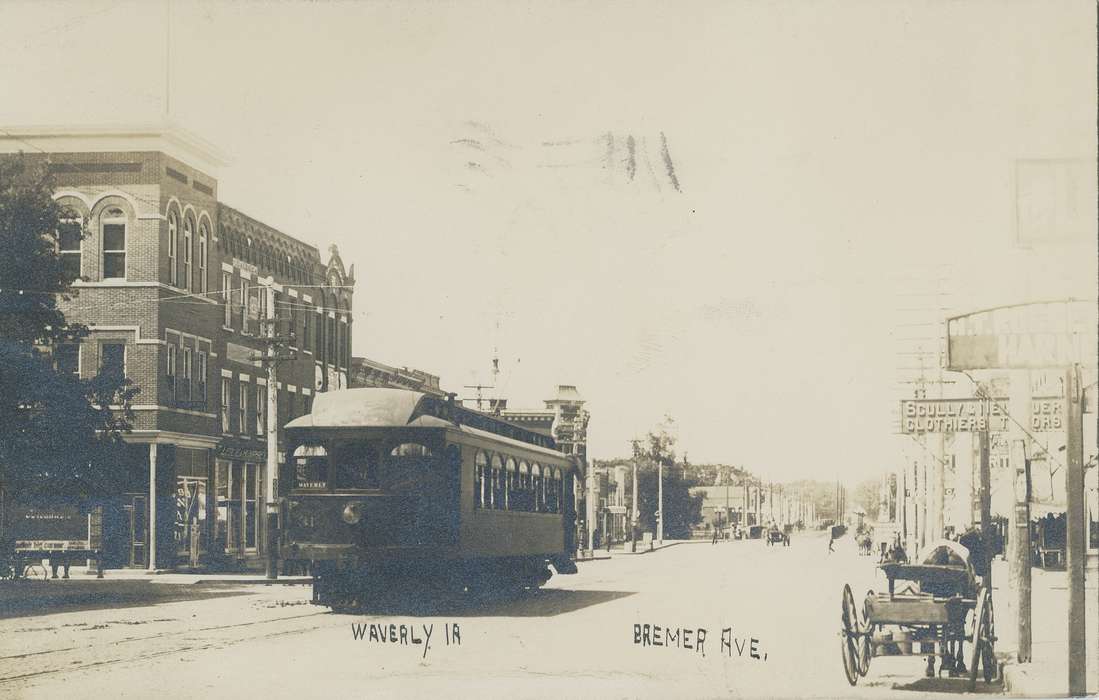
681	510
59	435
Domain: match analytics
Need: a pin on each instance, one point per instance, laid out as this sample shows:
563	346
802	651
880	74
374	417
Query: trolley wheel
849	636
981	642
865	648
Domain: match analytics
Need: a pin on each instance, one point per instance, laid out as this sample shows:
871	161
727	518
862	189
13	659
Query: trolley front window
311	467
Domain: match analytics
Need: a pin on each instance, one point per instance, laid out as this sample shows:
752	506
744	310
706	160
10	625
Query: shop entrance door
190	518
138	516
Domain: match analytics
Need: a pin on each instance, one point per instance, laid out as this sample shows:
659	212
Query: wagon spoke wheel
981	643
849	636
864	640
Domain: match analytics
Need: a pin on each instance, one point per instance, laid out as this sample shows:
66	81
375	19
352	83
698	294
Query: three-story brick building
174	289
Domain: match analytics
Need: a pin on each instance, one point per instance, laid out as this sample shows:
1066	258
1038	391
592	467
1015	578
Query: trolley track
53	661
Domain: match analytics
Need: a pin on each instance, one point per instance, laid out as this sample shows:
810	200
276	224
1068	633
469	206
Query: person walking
831	543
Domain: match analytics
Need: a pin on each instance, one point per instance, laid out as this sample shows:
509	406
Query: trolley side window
311	467
406	466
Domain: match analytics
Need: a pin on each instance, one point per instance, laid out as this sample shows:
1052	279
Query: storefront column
152	507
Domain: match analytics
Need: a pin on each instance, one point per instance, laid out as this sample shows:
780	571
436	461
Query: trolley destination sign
919	416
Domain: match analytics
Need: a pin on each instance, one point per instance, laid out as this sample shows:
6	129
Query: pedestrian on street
717	530
831	542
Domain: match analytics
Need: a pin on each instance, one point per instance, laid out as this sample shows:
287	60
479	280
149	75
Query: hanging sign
1041	335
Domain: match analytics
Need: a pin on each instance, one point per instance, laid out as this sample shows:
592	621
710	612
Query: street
769	620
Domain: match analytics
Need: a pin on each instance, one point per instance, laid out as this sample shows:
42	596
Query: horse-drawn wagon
931	609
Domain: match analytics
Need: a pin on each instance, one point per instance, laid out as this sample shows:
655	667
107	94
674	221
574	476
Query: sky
707	210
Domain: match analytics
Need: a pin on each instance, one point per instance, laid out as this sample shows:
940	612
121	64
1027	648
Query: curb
281	581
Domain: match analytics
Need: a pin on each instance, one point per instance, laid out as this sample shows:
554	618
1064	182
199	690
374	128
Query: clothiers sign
1026	336
920	416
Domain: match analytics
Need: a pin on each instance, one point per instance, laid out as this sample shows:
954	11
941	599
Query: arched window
539	487
526	502
482	494
311	467
203	254
188	236
499	484
69	235
513	499
173	232
113	222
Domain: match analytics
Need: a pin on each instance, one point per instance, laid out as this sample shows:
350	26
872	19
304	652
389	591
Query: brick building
174	286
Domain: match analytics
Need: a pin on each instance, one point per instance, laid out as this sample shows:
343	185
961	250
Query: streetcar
389	489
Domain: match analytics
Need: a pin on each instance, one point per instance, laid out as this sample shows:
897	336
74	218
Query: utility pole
633	511
660	501
1076	537
271	356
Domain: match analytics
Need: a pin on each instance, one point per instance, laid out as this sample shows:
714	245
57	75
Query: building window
200	377
69	237
67	359
114	244
261	412
242	408
188	234
185	384
170	372
226	291
481	498
203	286
242	301
305	339
262	314
173	232
226	389
112	359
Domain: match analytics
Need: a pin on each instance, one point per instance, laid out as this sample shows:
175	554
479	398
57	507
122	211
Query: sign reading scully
951	416
1026	336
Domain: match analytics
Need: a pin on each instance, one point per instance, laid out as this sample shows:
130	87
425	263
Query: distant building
369	373
722	505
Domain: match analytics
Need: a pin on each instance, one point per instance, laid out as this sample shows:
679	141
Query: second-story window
226	389
203	286
242	409
188	234
173	233
261	413
200	376
170	371
185	384
114	244
112	359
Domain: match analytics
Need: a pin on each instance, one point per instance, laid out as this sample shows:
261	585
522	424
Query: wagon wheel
849	634
864	641
981	643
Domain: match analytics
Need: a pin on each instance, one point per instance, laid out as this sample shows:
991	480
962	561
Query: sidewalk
1047	673
173	578
623	550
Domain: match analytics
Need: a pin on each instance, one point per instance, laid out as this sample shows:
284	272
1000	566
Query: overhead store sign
919	416
1042	335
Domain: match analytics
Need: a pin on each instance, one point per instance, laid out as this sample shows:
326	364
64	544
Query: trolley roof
396	408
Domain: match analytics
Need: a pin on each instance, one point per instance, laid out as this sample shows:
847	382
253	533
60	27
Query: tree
59	435
681	510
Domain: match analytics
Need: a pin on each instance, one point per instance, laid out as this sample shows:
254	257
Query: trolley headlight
352	513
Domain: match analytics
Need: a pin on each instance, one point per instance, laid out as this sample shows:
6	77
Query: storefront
238	502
